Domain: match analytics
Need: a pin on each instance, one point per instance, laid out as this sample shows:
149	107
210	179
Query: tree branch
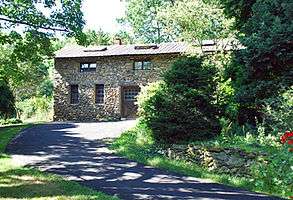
32	25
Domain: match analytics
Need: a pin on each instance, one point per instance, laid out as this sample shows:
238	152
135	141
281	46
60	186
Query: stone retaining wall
226	160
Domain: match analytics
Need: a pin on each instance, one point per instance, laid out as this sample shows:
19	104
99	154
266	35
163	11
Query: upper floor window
74	94
88	67
142	65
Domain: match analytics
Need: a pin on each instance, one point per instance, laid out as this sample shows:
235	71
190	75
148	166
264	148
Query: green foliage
126	37
196	20
38	108
10	121
41	19
262	71
267	176
275	174
158	21
27	29
182	108
6	100
278	113
97	38
46	88
241	10
142	16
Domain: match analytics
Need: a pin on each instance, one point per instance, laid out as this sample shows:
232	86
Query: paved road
77	151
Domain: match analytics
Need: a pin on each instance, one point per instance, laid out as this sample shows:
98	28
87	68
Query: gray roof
121	50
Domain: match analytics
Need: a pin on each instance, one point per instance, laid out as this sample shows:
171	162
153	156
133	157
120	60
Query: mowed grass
28	183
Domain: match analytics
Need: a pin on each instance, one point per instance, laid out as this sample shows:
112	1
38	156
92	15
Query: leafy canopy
27	29
196	20
142	16
264	69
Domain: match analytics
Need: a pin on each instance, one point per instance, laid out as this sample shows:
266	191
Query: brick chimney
118	41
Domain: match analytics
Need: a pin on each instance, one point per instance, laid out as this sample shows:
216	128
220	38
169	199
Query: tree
142	16
27	29
39	17
6	100
183	107
97	38
241	10
126	37
265	64
196	20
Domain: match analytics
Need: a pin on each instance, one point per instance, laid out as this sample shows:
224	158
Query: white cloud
103	14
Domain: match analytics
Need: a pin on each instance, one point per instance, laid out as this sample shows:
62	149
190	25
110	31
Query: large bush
182	107
7	100
36	108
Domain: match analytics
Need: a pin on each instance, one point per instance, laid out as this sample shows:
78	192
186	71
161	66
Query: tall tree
266	64
27	29
142	16
196	20
241	10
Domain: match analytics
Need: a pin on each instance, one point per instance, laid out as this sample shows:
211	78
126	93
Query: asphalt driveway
77	151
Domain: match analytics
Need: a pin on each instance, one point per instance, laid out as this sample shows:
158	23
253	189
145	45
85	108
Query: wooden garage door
129	95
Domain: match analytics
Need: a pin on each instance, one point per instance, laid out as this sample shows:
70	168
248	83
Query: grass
131	145
9	132
28	183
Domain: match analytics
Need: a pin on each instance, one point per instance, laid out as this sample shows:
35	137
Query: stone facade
114	72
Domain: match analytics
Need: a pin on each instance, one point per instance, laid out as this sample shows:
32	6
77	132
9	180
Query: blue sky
102	14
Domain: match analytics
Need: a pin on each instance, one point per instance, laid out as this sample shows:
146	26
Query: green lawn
28	183
132	145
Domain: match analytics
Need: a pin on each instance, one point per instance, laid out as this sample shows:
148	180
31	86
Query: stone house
96	83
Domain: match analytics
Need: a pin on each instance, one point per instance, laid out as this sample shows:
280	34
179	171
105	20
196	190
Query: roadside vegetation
27	183
272	178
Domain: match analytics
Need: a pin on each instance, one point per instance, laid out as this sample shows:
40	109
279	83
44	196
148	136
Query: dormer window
142	65
88	67
144	47
95	49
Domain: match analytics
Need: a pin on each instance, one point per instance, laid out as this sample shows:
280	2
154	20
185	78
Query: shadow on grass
2	156
28	183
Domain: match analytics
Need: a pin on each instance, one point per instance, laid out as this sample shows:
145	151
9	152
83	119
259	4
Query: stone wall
226	160
113	72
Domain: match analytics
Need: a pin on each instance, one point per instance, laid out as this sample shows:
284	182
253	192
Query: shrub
10	121
278	112
182	108
35	107
7	100
275	174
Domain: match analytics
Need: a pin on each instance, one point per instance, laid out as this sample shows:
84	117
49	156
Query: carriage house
93	83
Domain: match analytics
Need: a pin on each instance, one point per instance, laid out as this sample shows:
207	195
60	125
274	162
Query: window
74	94
142	65
130	94
100	93
88	67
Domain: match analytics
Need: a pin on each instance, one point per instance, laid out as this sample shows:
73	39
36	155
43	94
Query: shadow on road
65	151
